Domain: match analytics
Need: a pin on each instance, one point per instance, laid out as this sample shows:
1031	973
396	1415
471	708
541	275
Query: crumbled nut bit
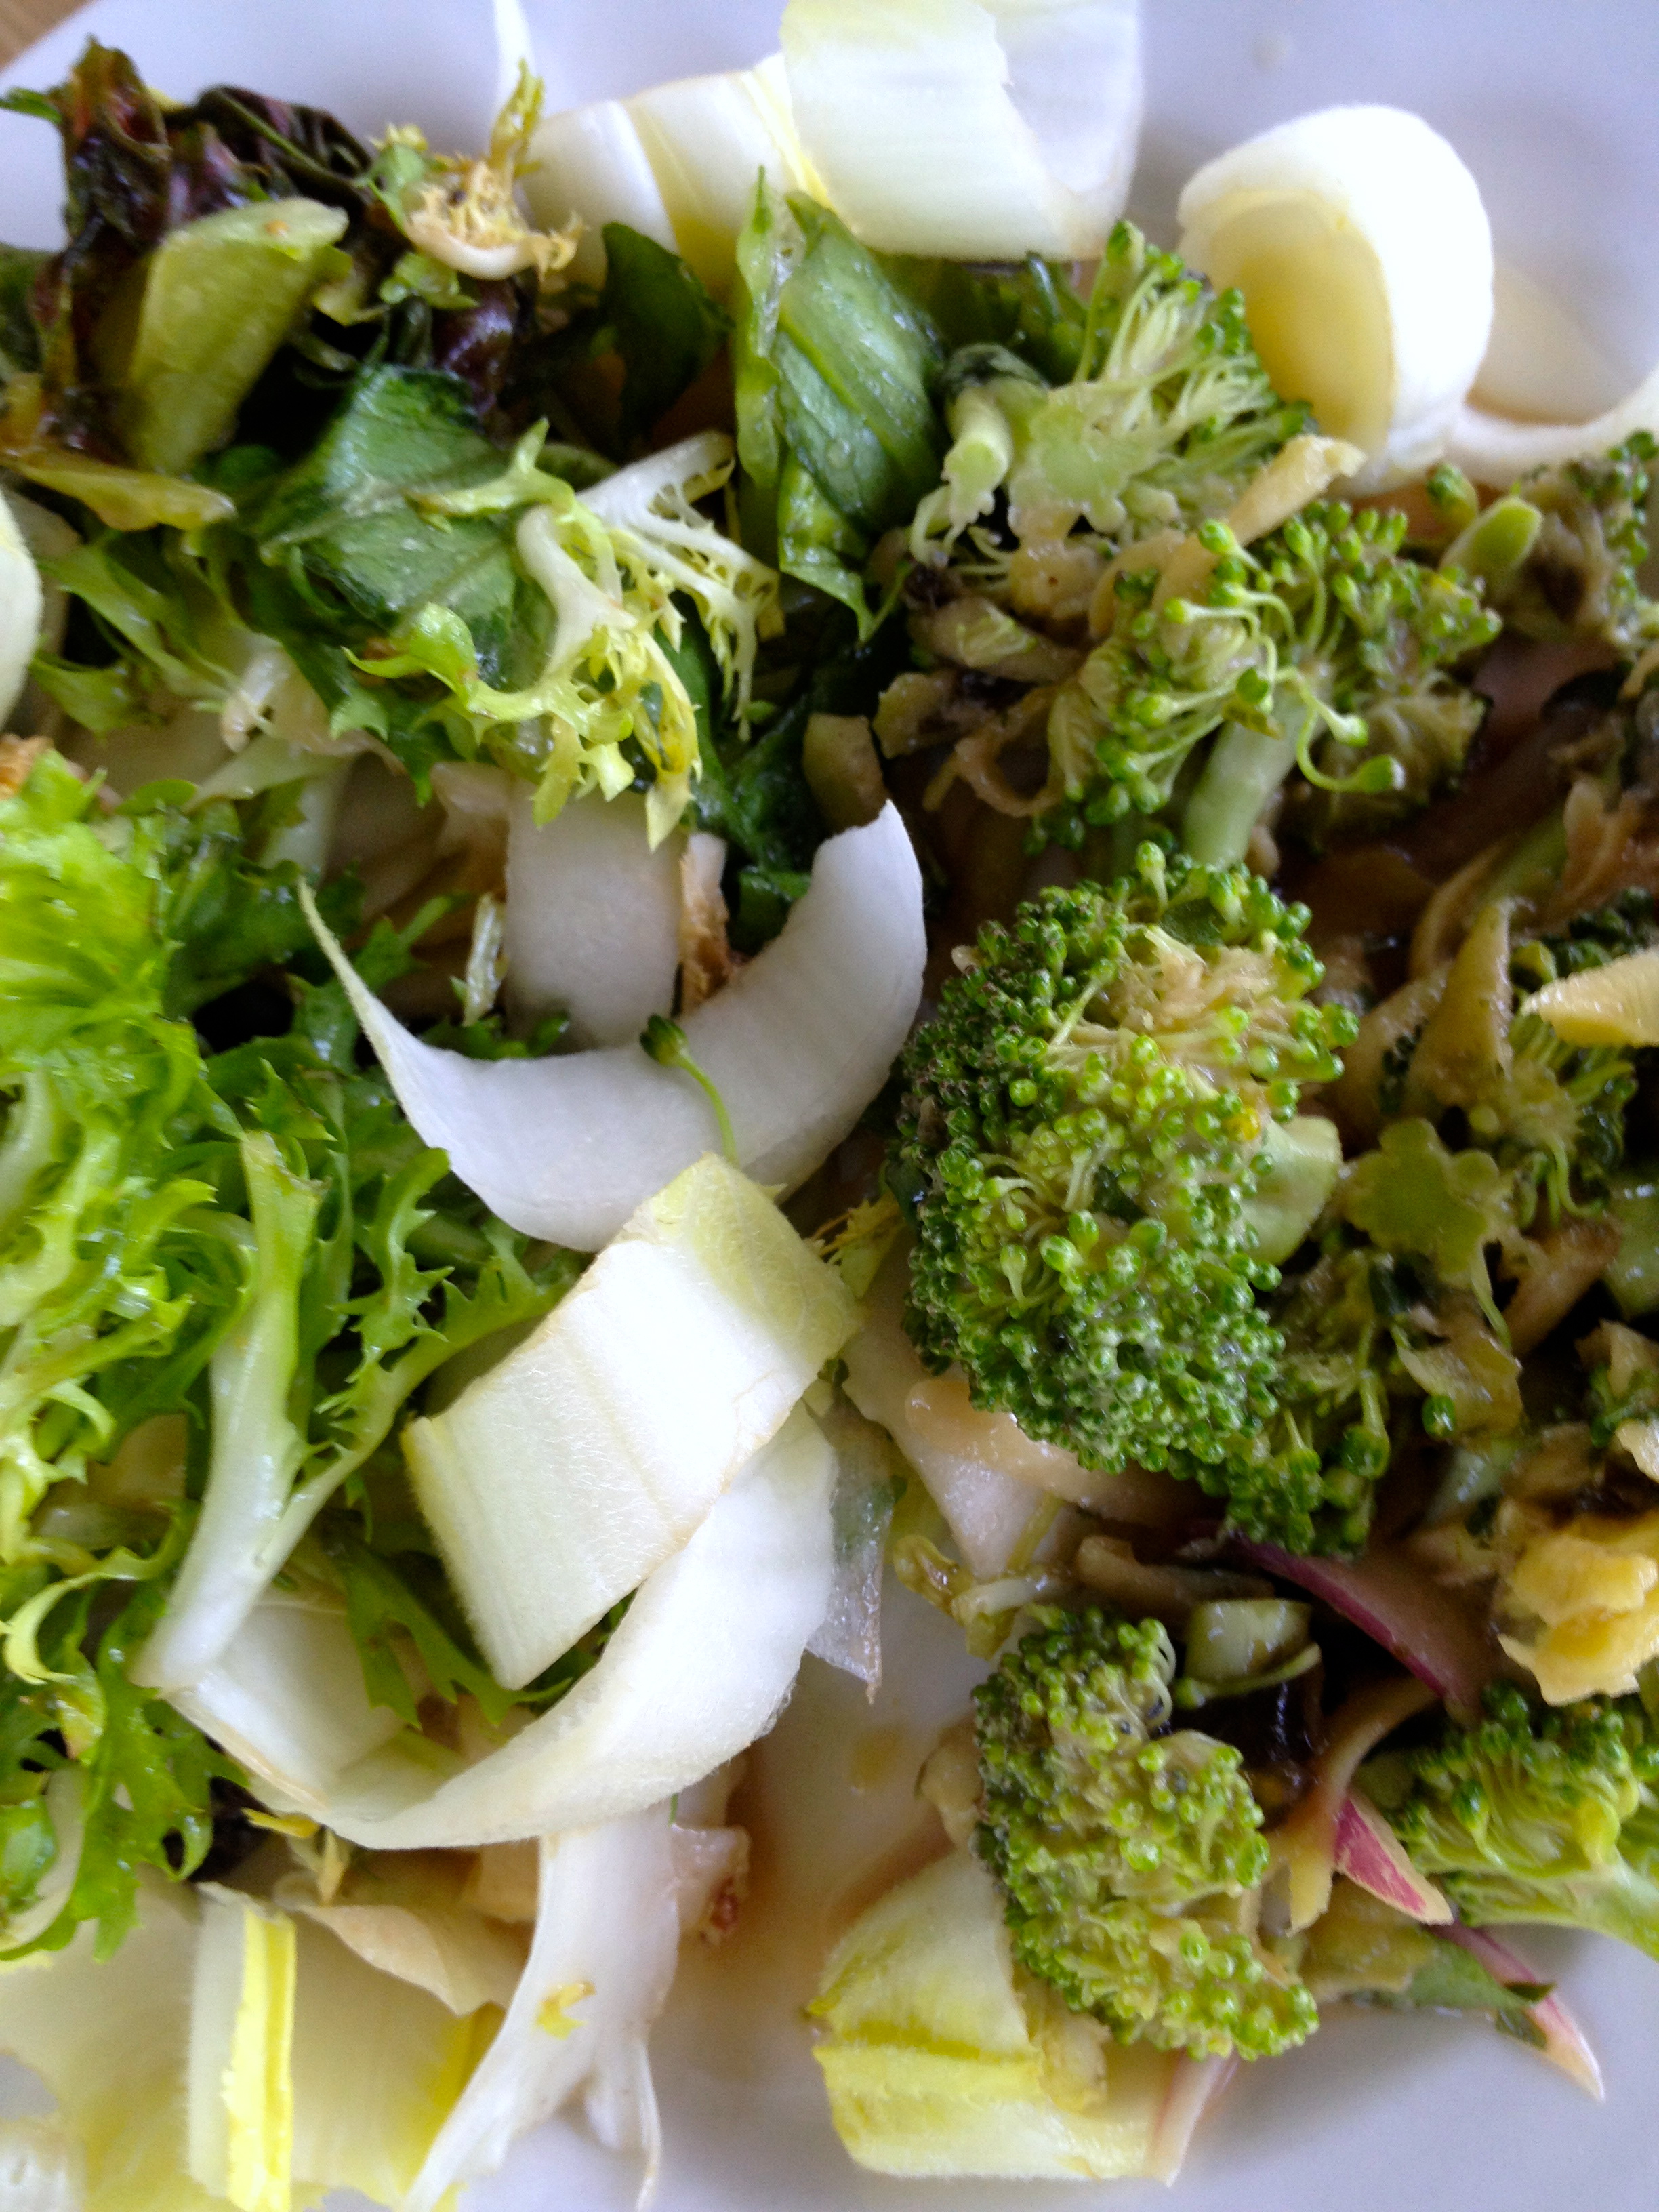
707	960
17	759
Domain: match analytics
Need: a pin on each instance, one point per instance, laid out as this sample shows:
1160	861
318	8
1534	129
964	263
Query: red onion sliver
1304	1844
1398	1604
1370	1854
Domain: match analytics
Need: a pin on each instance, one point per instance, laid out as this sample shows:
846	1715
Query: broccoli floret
1579	577
1320	650
1534	1814
1168	415
1305	1479
1623	1383
1123	1851
1079	1140
1551	1114
1396	1318
1559	1115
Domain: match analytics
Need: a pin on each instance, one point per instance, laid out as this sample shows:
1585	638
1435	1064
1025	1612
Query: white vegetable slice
797	1044
678	163
41	2169
555	1483
697	1669
983	129
108	2038
282	1683
589	163
592	917
1493	450
707	140
22	605
1358	240
607	1940
1542	364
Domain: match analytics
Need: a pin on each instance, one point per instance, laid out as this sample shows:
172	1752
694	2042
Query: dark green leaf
20	341
1032	310
662	323
834	364
362	559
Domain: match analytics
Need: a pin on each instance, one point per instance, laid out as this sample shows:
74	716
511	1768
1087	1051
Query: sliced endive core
558	1481
1359	242
1318	307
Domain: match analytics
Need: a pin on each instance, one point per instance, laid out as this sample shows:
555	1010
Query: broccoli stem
1245	770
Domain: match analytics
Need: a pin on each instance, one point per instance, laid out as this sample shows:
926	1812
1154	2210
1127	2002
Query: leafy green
655	317
140	170
224	918
340	527
833	364
257	1242
168	631
1034	310
402	1596
20	341
752	790
145	1774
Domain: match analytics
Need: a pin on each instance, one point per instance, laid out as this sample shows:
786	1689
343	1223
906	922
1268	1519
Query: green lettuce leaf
833	363
254	1247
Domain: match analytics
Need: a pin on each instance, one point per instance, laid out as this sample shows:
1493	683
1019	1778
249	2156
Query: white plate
1553	109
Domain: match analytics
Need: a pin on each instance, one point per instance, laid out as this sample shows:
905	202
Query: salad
761	894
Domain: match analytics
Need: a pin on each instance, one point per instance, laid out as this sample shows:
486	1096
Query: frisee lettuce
251	1246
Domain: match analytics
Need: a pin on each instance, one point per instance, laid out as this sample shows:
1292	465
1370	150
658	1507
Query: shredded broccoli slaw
824	1012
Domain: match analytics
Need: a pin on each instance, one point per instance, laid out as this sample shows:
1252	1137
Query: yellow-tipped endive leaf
698	1667
1359	241
224	2033
1616	1004
555	1483
707	140
797	1045
937	2064
678	163
606	1943
981	130
109	2038
240	2086
378	2067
